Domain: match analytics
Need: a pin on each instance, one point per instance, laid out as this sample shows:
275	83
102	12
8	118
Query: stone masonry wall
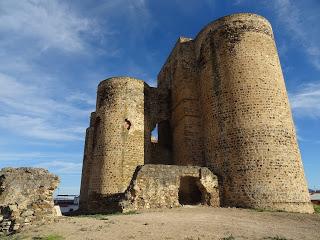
249	140
178	76
26	197
167	186
119	139
118	144
87	163
220	103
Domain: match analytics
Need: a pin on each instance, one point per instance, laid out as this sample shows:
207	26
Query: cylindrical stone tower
118	138
249	135
87	164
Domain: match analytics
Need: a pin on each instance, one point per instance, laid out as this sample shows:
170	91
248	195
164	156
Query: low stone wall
167	186
26	196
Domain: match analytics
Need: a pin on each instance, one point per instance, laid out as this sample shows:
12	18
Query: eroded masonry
225	131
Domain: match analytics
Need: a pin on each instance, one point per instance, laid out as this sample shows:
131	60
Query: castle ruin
225	131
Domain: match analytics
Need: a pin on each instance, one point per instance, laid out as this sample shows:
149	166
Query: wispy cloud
306	101
38	156
61	167
49	24
31	111
34	101
38	128
295	21
238	2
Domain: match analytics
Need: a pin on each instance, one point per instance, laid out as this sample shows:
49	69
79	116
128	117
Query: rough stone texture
115	140
248	129
26	197
249	140
220	103
167	186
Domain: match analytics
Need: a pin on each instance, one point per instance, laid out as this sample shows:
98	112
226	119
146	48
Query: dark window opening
165	134
189	192
128	123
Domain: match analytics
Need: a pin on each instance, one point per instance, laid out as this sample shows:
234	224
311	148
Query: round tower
87	164
250	139
118	136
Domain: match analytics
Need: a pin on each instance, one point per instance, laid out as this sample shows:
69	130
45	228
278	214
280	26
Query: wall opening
154	135
164	134
189	192
128	124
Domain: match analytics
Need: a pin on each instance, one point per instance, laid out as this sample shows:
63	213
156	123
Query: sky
53	54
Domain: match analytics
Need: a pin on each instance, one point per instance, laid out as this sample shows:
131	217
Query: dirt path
187	223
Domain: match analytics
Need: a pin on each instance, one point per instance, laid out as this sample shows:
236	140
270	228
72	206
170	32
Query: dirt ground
186	223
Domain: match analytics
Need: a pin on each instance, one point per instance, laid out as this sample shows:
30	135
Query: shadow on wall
189	192
158	132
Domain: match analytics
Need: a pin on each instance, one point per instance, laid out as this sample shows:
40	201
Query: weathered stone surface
26	196
230	112
167	186
220	103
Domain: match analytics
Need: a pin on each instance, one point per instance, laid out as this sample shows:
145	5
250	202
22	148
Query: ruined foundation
26	197
158	186
220	103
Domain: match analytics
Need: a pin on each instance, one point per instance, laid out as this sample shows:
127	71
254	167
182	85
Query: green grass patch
316	208
12	237
49	237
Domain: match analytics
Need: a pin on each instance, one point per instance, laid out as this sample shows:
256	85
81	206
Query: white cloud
37	156
31	111
38	128
49	24
61	167
81	97
306	101
238	2
295	21
34	102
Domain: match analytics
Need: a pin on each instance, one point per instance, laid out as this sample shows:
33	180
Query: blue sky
53	53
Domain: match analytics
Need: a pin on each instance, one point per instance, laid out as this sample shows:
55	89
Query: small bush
49	237
316	208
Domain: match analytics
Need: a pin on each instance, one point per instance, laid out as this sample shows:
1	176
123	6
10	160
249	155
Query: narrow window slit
128	124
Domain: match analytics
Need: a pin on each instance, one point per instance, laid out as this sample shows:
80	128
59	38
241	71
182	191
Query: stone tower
114	144
221	103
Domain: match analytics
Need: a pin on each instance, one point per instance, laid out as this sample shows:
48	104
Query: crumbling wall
162	186
26	196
